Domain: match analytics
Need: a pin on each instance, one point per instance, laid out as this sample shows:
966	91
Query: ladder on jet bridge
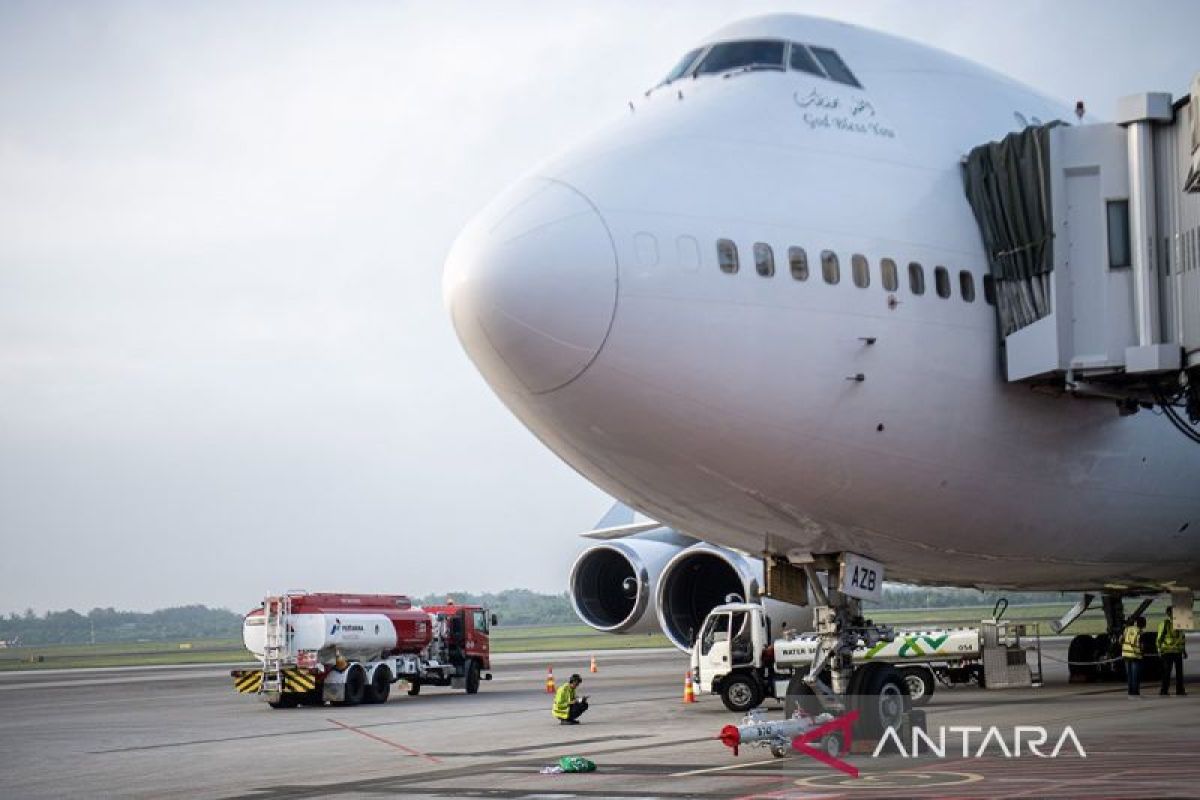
278	641
1092	234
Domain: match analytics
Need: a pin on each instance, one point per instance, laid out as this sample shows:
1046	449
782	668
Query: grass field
522	639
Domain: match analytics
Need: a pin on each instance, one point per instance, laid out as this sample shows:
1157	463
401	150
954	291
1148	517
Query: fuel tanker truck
347	649
735	657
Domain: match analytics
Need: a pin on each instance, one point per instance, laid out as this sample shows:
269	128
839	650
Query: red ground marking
388	742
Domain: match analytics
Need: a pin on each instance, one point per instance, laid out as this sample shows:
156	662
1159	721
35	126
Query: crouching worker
566	707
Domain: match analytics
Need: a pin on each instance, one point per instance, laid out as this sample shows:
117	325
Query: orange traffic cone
550	679
593	667
689	691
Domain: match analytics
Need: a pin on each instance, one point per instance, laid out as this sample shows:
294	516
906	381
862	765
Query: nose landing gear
878	692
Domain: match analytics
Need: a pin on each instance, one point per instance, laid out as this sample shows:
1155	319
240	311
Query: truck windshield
715	630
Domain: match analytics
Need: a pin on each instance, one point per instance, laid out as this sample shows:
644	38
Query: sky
225	364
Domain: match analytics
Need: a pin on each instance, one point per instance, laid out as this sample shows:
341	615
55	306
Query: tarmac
183	732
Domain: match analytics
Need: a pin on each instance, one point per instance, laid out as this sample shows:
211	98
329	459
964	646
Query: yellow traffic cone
593	667
550	679
689	691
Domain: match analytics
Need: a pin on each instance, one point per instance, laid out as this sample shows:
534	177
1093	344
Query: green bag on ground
576	764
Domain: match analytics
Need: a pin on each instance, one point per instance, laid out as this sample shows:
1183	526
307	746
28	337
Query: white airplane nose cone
531	285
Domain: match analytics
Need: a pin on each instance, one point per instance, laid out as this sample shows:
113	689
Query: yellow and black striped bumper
247	682
298	680
294	680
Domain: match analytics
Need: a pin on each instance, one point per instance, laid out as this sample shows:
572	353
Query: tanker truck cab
731	658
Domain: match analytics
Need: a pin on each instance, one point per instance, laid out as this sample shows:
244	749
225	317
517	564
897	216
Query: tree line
512	606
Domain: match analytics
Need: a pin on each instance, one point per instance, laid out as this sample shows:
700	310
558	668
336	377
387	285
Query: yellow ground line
724	768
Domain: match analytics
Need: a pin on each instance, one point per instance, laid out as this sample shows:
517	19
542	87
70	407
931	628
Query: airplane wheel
800	696
920	683
881	698
1081	649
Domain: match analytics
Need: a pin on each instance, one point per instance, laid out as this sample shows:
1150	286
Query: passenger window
891	280
989	290
835	67
734	55
764	260
798	261
916	278
803	60
941	282
860	270
966	286
829	267
727	256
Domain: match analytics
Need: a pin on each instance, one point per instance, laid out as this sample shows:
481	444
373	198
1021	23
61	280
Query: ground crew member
1131	651
1172	648
566	707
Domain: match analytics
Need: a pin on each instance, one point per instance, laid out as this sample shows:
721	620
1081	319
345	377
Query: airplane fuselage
768	412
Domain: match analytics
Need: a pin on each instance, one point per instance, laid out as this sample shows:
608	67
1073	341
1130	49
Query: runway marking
388	742
724	768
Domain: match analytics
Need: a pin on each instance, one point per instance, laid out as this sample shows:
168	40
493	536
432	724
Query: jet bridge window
798	262
916	278
764	260
941	282
830	270
727	256
966	285
1118	234
891	280
683	66
860	270
757	53
835	67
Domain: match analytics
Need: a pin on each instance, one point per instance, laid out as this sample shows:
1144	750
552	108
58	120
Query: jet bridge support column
1138	113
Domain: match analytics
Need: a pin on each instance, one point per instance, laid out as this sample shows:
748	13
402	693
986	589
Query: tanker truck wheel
472	676
356	686
414	687
920	682
380	687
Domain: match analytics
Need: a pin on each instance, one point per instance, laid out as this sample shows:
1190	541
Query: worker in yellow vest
567	708
1131	651
1172	649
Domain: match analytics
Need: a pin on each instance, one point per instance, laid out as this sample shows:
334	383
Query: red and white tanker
350	648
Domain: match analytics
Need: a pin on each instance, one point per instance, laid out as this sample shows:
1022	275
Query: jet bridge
1092	234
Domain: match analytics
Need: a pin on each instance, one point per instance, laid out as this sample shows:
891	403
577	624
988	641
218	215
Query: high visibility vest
1131	642
1169	640
563	699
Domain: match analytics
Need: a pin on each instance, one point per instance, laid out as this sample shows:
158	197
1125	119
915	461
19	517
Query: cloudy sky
224	362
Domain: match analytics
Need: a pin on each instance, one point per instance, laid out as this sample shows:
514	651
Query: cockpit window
802	60
758	53
835	68
683	66
764	54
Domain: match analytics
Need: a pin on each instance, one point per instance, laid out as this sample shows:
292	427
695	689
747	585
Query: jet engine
614	584
704	576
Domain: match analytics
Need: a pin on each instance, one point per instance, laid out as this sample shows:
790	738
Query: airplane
699	309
